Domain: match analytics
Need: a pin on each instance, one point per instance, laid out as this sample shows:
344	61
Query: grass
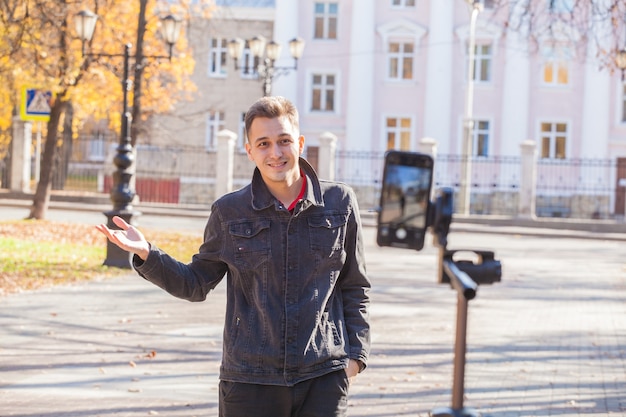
39	254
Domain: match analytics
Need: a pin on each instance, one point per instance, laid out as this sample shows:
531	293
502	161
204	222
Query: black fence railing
576	188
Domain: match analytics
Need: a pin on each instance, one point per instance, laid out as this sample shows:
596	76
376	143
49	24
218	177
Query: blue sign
36	104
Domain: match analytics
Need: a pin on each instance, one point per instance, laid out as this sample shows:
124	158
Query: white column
285	29
595	111
360	101
515	94
327	156
438	111
225	162
20	156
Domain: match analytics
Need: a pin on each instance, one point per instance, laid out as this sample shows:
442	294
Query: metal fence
575	188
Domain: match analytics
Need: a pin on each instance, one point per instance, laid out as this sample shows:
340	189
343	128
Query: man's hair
272	107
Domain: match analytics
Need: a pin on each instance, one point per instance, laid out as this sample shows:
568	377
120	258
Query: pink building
385	74
388	74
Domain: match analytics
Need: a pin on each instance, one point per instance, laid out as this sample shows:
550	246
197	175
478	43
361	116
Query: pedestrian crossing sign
36	104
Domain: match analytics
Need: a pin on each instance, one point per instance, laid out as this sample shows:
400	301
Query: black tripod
464	276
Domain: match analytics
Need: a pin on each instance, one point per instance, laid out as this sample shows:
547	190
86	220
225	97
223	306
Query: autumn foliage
39	48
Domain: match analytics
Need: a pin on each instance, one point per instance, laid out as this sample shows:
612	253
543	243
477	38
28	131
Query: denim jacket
297	291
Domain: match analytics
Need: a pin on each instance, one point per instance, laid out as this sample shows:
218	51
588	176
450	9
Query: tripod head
482	269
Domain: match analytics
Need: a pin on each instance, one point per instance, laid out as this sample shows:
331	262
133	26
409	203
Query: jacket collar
262	198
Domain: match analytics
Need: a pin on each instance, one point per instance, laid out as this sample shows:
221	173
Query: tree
40	48
600	23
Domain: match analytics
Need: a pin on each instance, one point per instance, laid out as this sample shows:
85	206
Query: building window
247	63
242	137
217	57
323	92
97	147
556	67
482	63
401	58
561	6
553	140
398	132
214	123
403	3
326	20
480	138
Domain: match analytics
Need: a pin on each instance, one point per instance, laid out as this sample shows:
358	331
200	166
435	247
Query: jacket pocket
251	241
327	234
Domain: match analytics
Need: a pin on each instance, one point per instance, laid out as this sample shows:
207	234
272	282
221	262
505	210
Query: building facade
386	74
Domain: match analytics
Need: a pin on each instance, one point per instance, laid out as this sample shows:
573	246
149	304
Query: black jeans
325	396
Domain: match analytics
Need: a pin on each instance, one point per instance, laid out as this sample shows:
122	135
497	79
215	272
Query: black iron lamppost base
451	412
117	257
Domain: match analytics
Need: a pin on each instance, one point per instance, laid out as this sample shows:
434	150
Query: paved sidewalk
550	339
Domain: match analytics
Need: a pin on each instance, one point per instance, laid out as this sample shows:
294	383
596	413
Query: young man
290	245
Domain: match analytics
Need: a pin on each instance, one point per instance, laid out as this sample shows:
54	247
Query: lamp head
170	29
235	48
296	47
85	24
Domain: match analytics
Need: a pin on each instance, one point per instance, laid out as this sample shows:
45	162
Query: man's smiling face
275	146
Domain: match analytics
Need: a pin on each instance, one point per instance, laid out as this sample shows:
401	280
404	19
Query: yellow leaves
51	58
43	253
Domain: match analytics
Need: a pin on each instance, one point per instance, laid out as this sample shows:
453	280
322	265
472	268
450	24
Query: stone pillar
428	146
327	155
20	156
528	180
225	162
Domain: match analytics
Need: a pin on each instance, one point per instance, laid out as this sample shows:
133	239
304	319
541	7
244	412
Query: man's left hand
352	370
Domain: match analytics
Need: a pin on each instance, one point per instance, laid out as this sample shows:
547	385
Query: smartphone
405	200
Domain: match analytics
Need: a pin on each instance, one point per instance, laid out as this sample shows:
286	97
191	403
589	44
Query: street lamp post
265	56
620	62
122	193
468	121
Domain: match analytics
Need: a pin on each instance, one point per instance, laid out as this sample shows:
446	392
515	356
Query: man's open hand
129	238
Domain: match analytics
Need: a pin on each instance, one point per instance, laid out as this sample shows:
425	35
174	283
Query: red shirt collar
301	195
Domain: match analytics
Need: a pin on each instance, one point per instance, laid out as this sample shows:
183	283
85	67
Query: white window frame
242	138
552	136
556	56
97	147
479	59
406	31
326	15
247	63
487	33
400	57
218	54
397	131
324	88
214	123
476	133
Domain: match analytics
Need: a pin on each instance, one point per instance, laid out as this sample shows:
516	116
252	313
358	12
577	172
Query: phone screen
404	201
